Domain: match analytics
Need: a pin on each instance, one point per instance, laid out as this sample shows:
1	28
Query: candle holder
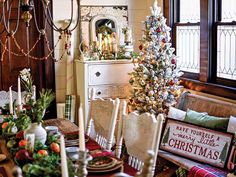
84	157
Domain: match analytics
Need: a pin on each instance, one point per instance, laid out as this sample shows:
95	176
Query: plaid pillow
68	106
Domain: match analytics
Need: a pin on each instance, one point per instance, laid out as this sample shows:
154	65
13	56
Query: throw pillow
203	119
232	125
194	116
177	114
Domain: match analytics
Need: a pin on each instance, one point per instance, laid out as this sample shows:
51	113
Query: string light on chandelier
27	12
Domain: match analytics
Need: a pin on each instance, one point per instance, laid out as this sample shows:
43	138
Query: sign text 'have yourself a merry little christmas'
197	143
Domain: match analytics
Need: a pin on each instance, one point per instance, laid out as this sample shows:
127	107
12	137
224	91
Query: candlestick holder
84	157
18	109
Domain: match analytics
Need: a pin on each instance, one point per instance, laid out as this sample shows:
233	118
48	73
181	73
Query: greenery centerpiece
32	111
34	108
39	158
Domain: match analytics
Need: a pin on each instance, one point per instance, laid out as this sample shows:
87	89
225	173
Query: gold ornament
26	16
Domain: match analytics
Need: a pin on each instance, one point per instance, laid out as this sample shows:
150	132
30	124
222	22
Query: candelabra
26	12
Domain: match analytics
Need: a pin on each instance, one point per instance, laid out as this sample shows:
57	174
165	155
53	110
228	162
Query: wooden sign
197	143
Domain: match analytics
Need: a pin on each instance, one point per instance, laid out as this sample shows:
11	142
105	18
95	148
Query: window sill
210	88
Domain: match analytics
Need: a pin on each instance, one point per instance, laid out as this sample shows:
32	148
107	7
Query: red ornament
158	30
171	82
173	61
140	47
164	40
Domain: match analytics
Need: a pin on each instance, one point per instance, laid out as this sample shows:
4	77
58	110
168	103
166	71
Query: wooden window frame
207	81
194	76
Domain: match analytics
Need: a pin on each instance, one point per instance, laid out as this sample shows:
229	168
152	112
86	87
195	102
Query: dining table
66	128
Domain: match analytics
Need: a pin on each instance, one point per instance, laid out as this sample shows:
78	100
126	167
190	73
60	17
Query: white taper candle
100	41
19	95
81	129
10	101
34	92
64	168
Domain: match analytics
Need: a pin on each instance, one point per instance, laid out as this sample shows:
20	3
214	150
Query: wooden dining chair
147	167
4	97
103	115
140	133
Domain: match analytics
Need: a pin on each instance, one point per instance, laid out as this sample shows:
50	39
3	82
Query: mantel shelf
105	61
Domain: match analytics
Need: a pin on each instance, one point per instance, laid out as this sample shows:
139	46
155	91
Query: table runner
206	171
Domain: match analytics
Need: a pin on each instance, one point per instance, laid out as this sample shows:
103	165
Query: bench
214	107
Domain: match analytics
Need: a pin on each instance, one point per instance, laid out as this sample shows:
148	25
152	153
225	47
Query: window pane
189	11
188	48
226	53
228	10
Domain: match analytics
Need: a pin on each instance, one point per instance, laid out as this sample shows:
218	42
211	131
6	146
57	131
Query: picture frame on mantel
119	14
197	143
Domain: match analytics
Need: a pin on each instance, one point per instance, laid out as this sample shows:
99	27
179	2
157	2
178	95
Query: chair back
103	115
141	133
4	97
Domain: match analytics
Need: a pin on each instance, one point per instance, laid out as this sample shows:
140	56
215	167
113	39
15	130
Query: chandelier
26	12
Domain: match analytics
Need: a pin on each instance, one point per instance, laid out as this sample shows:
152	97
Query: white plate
116	167
101	161
114	163
72	149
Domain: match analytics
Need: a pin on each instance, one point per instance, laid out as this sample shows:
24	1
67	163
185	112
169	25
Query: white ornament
140	99
168	72
142	82
145	77
165	95
151	93
152	98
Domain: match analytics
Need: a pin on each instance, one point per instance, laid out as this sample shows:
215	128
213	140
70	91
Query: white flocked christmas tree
155	78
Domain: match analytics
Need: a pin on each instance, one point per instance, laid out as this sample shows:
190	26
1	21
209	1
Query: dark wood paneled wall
42	71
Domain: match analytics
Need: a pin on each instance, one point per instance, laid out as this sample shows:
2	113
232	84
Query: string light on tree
155	79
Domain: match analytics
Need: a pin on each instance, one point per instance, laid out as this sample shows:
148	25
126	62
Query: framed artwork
196	143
